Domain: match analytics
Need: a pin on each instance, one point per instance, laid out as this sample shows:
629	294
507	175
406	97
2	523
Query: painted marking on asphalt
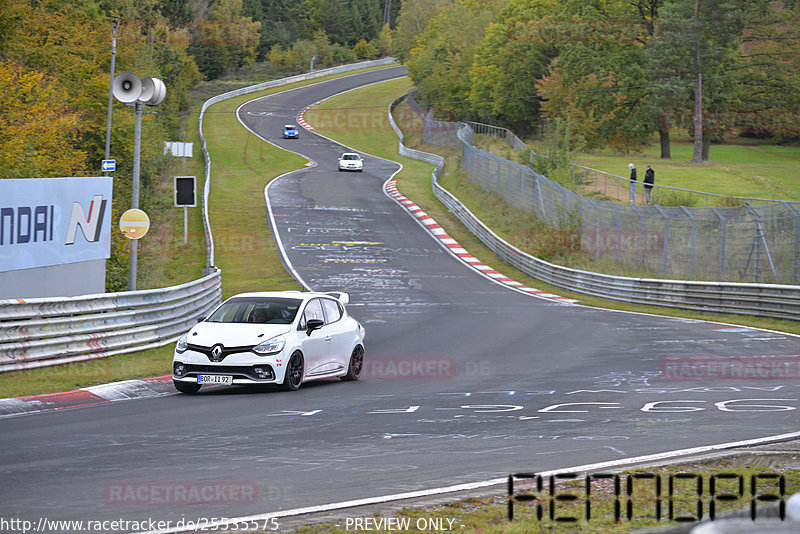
301	119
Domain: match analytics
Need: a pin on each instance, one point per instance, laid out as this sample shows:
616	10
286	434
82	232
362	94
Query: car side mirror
313	324
201	319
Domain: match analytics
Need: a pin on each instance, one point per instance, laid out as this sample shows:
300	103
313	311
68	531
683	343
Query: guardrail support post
758	240
723	229
666	238
619	229
692	243
796	254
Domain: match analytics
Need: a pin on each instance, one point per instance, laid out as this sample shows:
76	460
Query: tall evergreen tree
696	44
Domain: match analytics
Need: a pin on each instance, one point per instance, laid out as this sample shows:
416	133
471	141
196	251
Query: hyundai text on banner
52	221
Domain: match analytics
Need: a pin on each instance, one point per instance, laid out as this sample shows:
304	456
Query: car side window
332	310
313	311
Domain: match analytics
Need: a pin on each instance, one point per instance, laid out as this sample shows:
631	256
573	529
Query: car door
315	345
340	333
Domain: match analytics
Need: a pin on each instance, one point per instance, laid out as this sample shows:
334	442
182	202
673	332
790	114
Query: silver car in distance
281	337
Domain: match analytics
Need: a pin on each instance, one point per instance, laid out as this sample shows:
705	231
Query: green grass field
735	169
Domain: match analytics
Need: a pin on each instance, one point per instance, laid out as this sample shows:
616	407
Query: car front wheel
294	372
186	387
356	364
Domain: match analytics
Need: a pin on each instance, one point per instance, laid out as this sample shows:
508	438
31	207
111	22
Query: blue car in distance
290	131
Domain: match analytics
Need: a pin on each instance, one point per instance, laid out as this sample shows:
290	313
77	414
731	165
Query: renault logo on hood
216	352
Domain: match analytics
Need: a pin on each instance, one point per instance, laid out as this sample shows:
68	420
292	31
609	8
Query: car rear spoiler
341	296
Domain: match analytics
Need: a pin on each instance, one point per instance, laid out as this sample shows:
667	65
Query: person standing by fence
633	182
649	179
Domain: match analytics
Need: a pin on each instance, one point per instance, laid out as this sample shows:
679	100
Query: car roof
292	126
350	154
293	294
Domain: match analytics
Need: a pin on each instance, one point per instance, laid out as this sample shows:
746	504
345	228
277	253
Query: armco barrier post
692	242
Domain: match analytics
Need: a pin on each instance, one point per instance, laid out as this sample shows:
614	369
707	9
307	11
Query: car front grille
225	351
240	371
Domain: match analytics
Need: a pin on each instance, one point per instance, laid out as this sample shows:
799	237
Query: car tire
356	364
186	387
294	372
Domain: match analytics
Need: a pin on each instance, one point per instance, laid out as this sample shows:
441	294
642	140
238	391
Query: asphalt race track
465	380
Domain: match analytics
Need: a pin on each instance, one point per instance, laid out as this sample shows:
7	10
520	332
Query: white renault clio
285	338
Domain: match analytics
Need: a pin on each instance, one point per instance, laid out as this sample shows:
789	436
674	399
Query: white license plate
215	379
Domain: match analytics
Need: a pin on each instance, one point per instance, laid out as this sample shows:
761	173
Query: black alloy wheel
294	372
356	364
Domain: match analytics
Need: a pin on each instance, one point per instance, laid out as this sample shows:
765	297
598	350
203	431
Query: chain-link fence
743	243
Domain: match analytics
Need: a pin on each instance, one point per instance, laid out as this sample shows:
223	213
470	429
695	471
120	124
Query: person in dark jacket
633	182
649	179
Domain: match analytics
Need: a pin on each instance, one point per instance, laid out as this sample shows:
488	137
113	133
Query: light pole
130	89
114	28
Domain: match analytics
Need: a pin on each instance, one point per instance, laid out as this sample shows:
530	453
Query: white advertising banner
53	221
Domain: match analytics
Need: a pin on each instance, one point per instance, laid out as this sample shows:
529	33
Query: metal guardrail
763	300
51	331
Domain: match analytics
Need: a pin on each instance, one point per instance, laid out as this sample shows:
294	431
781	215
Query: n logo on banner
90	226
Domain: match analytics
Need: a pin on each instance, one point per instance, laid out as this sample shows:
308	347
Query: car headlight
181	346
271	346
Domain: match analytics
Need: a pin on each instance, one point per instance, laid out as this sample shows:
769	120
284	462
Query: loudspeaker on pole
127	87
153	91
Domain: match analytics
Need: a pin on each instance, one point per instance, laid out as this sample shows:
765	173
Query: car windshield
290	127
350	156
263	310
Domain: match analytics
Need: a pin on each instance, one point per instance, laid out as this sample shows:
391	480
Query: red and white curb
104	393
459	251
301	118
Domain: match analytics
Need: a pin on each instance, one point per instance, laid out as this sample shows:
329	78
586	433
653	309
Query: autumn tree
508	64
696	46
226	40
768	73
39	133
411	23
599	75
441	61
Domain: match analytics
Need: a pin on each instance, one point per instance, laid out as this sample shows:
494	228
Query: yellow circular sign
134	224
